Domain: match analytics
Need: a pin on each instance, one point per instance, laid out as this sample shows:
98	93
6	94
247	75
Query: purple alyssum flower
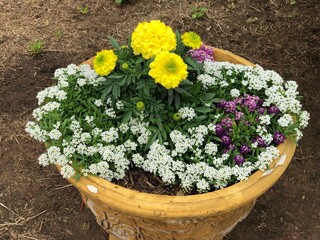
251	102
219	130
226	140
260	142
273	110
239	159
201	54
261	110
278	138
244	149
238	115
226	122
231	106
231	147
222	104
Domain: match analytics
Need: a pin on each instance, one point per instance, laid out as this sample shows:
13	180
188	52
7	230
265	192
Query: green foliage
36	47
119	2
58	34
293	2
198	12
131	84
83	9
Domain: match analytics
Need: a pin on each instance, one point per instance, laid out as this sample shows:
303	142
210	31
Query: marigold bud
140	105
125	65
176	116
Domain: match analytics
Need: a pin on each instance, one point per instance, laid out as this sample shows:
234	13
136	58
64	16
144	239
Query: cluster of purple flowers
201	54
224	129
251	102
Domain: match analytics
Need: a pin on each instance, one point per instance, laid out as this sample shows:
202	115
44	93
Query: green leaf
186	82
208	96
192	63
200	118
126	117
183	92
177	100
195	90
158	121
116	76
151	139
106	92
216	138
114	43
116	91
170	96
216	100
203	109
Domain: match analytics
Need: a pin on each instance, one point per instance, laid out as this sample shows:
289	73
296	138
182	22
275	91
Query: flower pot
129	214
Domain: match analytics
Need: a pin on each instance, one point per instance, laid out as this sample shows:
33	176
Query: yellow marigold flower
151	38
104	62
191	39
168	69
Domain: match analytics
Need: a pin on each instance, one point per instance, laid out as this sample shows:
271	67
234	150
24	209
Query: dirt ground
284	35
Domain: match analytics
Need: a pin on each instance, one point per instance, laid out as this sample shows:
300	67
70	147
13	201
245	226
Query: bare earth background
284	35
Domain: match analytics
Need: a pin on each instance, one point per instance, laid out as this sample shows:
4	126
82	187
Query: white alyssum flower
266	157
299	134
98	102
144	137
203	186
219	161
67	171
234	93
55	134
96	132
110	112
264	120
285	120
224	83
137	159
130	145
85	137
81	82
206	80
43	159
69	150
212	127
124	127
187	113
102	169
268	138
36	132
51	93
119	105
304	119
211	148
198	135
89	119
38	113
285	100
291	87
110	136
72	69
181	142
243	172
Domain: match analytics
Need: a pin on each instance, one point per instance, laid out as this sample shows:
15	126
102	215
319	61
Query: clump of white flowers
194	140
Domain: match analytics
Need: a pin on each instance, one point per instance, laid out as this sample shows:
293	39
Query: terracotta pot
128	214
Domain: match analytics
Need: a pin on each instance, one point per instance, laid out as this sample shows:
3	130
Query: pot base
121	226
